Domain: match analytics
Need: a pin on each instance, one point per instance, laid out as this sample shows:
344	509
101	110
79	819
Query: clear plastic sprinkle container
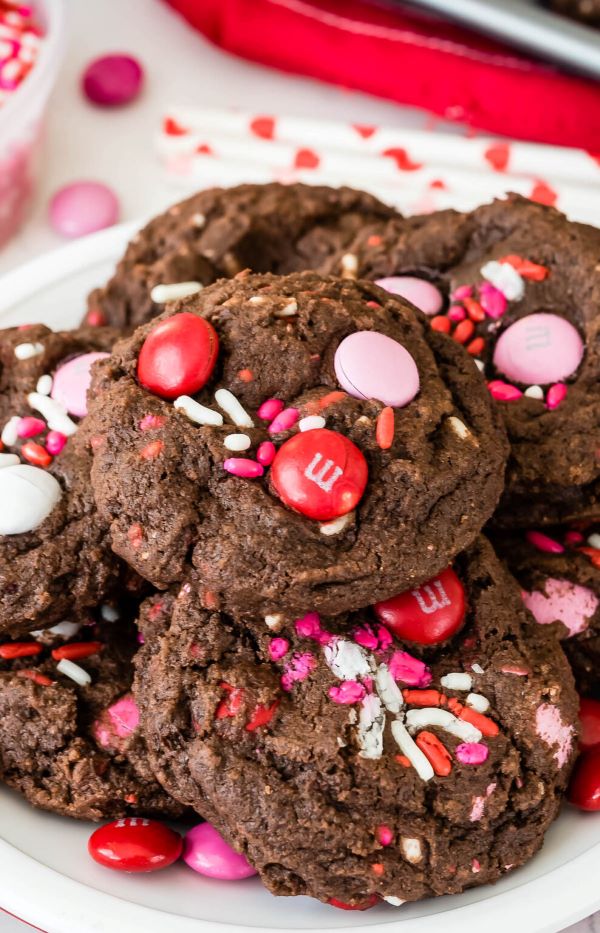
23	106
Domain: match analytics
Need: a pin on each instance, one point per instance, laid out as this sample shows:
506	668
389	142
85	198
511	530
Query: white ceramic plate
47	878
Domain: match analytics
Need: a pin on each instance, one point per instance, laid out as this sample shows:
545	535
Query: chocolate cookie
55	557
69	736
282	490
519	286
351	764
588	11
559	572
219	232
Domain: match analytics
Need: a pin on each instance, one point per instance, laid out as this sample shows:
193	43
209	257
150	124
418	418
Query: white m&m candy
27	496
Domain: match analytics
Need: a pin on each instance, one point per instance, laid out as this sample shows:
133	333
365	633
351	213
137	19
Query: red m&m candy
584	789
178	356
427	614
136	845
589	717
320	474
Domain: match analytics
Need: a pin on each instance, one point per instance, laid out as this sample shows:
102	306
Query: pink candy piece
421	293
471	753
83	207
503	392
71	382
555	395
270	409
457	313
492	300
117	722
241	466
370	365
309	626
348	692
284	420
366	638
554	732
151	422
297	669
206	852
562	601
266	453
544	543
384	835
403	666
55	441
539	349
30	427
112	80
462	292
574	537
278	648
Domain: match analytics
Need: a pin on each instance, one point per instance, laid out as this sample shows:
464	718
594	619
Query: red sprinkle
474	309
330	399
437	754
526	268
384	432
261	716
77	650
373	240
403	760
36	454
360	905
135	536
152	450
463	331
476	346
424	697
377	868
230	706
19	649
440	323
485	725
95	318
36	677
593	553
246	375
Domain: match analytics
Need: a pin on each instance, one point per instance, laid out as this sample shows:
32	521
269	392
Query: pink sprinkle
478	804
348	692
555	395
471	753
513	669
573	538
384	835
543	543
270	409
310	627
55	441
284	420
503	392
366	638
492	300
241	466
368	684
29	427
462	292
298	668
150	422
475	866
402	666
456	313
385	638
140	638
266	453
278	647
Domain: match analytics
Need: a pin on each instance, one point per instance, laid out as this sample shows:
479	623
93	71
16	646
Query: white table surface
116	146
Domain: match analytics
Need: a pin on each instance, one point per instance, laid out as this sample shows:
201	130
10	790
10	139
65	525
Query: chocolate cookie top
302	442
221	231
55	557
69	736
349	763
559	572
519	286
588	11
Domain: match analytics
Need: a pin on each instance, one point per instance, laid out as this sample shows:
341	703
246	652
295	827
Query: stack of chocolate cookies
304	411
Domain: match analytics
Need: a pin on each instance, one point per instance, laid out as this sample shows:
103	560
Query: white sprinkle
274	622
237	442
459	427
289	310
163	293
594	540
388	690
412	751
196	412
337	525
478	702
75	672
54	413
411	849
346	659
371	723
340	742
311	423
7	460
256	300
535	392
431	716
198	220
24	351
349	264
109	613
394	901
479	364
477	669
232	407
505	278
64	629
9	432
457	681
44	385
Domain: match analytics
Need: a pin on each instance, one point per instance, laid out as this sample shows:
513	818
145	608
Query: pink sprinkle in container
22	119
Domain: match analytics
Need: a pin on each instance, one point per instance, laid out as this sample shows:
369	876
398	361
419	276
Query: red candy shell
428	614
135	845
178	356
368	902
584	789
320	474
589	717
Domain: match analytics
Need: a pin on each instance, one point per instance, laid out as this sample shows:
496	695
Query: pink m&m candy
539	349
421	293
83	207
206	851
72	381
112	80
372	365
